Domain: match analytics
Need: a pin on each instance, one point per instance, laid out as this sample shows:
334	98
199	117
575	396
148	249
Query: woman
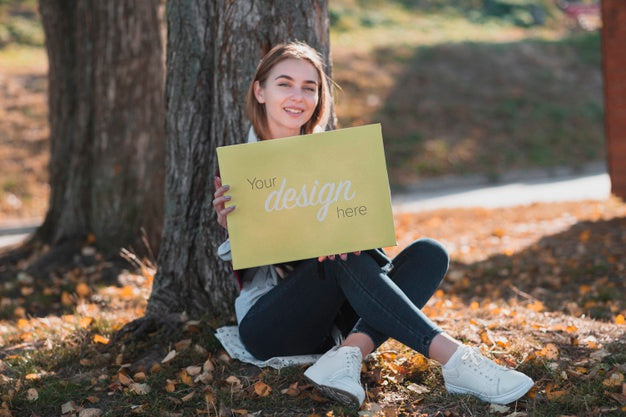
359	299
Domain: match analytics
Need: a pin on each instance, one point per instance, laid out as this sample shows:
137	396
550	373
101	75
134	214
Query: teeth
295	111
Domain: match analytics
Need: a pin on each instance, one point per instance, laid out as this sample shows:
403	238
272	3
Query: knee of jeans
433	250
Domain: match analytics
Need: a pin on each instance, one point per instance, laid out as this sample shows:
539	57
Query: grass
531	103
461	93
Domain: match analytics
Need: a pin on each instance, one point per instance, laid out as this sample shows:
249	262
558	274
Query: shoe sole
503	399
337	394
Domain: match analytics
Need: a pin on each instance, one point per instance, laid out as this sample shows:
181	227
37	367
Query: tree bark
106	73
213	48
614	70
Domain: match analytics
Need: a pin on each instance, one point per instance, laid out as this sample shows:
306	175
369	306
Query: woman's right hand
219	202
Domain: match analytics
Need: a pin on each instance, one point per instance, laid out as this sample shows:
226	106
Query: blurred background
461	87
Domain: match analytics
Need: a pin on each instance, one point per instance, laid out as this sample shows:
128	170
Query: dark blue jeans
356	295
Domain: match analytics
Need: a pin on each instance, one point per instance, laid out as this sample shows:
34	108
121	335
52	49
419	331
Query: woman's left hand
342	256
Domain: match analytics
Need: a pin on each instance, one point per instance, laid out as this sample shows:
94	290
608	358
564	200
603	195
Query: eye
311	89
283	85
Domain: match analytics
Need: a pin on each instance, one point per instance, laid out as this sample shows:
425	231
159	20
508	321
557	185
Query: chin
295	126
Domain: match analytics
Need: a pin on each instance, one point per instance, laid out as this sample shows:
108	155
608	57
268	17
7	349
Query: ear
258	92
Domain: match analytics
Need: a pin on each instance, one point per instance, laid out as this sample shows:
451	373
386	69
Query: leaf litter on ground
539	288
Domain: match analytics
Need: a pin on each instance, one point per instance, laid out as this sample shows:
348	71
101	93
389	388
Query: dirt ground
24	131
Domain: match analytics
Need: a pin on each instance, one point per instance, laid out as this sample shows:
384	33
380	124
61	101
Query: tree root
144	328
146	340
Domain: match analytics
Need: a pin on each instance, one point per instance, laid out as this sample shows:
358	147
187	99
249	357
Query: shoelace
354	361
474	356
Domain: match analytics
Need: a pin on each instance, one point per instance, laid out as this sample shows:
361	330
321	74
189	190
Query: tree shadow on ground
38	281
580	271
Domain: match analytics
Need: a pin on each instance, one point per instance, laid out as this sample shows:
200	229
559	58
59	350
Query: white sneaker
469	372
338	375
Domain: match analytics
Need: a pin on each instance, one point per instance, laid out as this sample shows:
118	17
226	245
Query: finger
357	253
227	211
221	190
321	258
331	257
343	256
217	182
221	200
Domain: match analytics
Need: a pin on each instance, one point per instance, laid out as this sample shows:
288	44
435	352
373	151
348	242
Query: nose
297	94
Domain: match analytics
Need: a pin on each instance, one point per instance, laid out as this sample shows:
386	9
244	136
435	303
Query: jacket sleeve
223	251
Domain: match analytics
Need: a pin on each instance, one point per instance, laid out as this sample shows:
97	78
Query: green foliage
19	23
524	13
587	46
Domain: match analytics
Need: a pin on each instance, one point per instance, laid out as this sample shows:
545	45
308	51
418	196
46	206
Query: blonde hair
296	50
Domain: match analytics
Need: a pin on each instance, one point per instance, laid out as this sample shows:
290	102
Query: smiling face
290	96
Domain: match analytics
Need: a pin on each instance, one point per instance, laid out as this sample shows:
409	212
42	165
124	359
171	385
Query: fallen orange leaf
292	391
139	376
127	292
616	379
66	300
584	236
419	363
262	389
185	378
549	351
485	338
84	322
182	344
553	394
124	379
83	290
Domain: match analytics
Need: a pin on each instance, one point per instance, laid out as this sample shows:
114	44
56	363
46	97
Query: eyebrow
291	79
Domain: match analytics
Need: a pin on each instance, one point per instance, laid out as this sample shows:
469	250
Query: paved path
591	184
17	232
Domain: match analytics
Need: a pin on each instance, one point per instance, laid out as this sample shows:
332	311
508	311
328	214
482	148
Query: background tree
106	104
614	66
212	51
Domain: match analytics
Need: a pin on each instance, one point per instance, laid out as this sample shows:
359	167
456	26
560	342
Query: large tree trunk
213	48
614	65
106	121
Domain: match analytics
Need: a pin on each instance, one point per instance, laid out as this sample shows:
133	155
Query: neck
277	133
